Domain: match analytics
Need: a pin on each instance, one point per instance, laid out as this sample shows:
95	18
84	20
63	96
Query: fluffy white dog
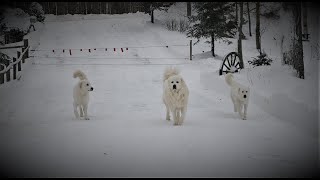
239	95
175	95
81	95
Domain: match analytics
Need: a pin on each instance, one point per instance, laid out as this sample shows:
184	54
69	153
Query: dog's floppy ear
238	90
80	85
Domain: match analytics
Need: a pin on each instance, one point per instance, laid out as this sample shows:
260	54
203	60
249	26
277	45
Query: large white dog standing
239	95
81	94
175	95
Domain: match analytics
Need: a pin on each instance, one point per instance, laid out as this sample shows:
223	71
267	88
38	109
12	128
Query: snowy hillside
127	134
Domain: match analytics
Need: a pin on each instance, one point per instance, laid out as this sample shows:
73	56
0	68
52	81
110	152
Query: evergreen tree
213	20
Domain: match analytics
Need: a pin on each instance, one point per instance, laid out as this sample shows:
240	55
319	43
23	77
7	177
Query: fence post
19	63
26	54
14	69
2	75
190	50
8	75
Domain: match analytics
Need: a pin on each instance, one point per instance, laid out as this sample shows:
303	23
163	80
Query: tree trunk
248	9
305	22
212	45
56	8
237	12
67	4
240	36
85	3
188	9
152	18
299	65
258	36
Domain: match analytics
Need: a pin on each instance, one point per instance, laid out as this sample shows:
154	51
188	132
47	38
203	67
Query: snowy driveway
127	134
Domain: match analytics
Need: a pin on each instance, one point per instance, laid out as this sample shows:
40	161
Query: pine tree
213	20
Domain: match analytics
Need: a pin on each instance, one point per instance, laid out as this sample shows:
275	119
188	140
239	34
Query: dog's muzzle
91	89
244	96
174	86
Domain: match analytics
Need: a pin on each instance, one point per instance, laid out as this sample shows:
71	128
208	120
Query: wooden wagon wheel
230	64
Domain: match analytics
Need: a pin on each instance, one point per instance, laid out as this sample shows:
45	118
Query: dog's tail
169	72
79	74
229	78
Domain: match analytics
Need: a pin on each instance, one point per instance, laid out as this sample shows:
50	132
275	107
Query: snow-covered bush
36	10
261	60
171	25
183	25
175	25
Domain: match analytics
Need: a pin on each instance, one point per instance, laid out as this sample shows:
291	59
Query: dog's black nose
174	86
245	96
91	88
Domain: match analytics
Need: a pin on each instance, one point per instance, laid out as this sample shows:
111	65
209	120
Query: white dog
239	95
175	95
81	94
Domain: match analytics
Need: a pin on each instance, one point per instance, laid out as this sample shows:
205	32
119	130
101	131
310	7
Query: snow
127	134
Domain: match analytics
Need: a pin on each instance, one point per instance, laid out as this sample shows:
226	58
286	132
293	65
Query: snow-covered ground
127	134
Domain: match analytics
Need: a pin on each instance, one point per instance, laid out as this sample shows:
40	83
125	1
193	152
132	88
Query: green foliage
213	18
261	60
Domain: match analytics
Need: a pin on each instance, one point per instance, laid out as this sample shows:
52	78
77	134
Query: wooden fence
15	64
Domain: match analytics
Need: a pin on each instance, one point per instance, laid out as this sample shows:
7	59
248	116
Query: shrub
261	60
36	10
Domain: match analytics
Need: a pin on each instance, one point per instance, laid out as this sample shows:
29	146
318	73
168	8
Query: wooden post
2	75
19	63
14	69
8	75
190	50
26	54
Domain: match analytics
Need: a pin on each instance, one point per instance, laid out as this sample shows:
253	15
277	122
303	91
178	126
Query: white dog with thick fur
175	95
239	95
81	95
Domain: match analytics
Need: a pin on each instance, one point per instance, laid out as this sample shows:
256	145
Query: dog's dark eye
177	81
171	81
87	84
242	91
246	91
